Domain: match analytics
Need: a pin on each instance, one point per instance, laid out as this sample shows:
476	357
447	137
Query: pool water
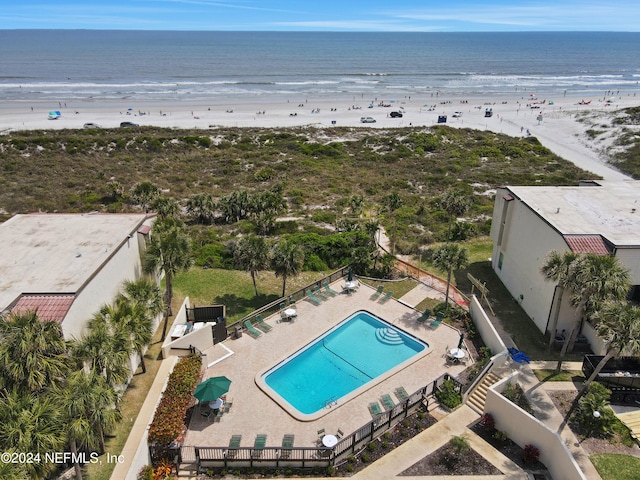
350	355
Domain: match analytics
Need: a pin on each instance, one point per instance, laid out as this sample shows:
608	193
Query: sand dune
552	121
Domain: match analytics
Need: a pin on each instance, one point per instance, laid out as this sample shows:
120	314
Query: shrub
168	420
530	454
365	457
371	446
448	395
487	422
499	436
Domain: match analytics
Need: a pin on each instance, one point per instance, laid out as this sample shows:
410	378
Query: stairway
479	394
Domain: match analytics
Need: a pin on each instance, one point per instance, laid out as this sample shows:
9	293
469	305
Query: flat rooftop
255	412
610	209
57	253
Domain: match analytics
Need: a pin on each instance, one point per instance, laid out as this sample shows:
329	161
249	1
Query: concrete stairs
479	394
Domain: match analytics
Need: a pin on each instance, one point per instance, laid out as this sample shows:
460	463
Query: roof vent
558	210
633	210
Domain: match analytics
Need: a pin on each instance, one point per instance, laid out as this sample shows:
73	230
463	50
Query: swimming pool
351	355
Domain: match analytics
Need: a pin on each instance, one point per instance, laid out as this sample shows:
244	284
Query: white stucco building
66	266
529	222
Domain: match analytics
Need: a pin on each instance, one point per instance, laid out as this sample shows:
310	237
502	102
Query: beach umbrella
461	341
212	388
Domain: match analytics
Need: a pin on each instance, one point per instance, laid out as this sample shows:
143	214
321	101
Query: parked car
488	112
128	124
91	125
367	120
395	114
442	119
456	114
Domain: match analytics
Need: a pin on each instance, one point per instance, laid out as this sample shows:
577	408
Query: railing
201	458
274	306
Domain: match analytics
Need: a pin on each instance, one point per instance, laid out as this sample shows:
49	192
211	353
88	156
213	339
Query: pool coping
309	417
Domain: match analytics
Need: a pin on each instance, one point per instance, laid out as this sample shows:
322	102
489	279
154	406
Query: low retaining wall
524	429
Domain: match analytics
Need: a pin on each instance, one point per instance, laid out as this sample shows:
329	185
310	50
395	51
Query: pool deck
254	412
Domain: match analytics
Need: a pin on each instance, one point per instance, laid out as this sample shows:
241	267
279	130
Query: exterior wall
125	264
630	258
526	242
525	429
484	326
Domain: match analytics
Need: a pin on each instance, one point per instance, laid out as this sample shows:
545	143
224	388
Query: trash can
238	332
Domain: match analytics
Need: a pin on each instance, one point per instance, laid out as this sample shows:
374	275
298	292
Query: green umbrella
212	388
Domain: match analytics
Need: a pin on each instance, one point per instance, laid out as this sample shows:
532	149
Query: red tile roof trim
587	244
49	307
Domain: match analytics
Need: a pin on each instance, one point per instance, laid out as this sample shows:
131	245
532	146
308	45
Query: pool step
389	336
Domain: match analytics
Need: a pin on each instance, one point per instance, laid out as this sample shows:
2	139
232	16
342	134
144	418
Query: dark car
442	119
395	114
128	124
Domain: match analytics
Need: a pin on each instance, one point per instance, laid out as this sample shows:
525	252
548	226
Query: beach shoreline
551	120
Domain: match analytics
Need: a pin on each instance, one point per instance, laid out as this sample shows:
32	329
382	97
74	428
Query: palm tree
144	193
201	207
558	268
33	353
618	325
450	257
287	260
594	279
165	207
251	254
30	423
169	250
455	204
87	404
144	301
105	347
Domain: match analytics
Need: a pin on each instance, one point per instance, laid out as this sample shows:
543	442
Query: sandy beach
551	120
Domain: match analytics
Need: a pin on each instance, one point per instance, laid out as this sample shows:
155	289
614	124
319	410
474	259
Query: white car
456	114
367	120
91	125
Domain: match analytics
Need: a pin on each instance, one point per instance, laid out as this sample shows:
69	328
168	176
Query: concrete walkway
422	445
398	460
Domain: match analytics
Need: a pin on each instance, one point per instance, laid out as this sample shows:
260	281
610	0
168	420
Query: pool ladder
330	402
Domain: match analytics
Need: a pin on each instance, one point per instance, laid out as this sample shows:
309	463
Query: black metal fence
301	294
202	458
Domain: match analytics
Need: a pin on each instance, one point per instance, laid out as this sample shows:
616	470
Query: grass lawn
613	466
235	289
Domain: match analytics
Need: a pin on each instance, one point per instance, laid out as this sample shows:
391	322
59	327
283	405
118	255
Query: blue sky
325	15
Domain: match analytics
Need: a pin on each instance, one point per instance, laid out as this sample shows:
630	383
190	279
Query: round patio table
457	353
329	441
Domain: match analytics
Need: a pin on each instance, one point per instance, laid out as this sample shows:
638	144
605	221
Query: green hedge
168	420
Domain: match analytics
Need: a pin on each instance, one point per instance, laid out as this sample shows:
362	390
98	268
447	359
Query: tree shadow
239	306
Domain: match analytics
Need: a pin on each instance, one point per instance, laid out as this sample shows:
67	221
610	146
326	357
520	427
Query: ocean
93	65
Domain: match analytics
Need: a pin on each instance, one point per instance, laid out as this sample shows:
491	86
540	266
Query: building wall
519	254
630	258
525	429
125	264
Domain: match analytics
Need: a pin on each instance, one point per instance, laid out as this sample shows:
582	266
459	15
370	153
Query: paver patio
255	412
